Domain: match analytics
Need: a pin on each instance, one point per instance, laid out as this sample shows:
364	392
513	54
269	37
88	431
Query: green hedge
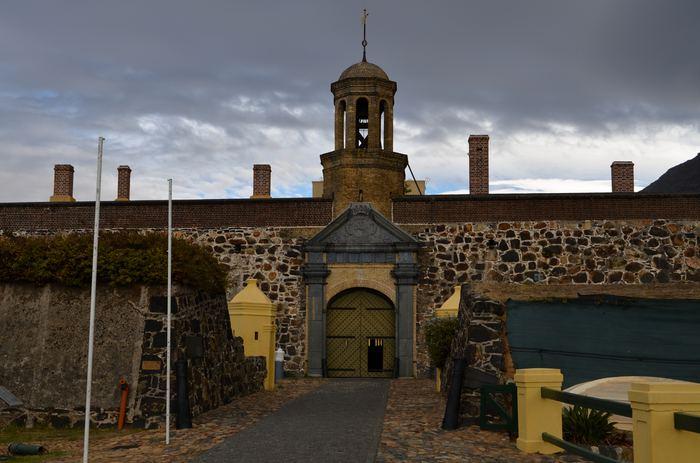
439	333
123	259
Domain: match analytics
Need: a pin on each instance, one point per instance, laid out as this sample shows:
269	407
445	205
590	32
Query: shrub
439	333
124	259
585	426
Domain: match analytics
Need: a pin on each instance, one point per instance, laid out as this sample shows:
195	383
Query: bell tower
363	167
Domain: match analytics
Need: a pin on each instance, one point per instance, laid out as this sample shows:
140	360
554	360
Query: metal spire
364	35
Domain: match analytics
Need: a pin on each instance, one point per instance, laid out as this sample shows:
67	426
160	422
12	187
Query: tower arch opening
382	124
362	122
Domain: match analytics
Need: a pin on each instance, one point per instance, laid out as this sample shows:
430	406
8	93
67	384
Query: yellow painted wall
373	276
252	317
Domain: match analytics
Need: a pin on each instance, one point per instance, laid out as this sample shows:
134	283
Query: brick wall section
479	164
622	176
514	207
62	182
262	180
123	183
153	214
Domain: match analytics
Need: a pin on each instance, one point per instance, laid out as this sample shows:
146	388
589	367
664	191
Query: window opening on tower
382	108
362	122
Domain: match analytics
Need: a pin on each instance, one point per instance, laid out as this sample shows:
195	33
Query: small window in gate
375	354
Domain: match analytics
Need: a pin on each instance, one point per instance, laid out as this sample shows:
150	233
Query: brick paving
209	429
412	432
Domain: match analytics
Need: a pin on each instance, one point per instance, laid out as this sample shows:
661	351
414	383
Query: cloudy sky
201	90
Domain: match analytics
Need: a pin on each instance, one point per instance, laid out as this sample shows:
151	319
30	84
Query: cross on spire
364	34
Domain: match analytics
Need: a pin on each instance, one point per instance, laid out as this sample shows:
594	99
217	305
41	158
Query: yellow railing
664	417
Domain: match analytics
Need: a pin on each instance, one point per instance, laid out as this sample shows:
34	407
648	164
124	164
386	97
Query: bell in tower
363	166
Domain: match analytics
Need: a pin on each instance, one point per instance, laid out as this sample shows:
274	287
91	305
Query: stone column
389	126
351	125
339	124
406	275
375	122
315	273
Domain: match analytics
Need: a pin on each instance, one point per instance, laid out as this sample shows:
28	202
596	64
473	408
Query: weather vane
364	34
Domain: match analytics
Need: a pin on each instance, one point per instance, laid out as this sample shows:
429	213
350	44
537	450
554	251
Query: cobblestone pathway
209	429
340	422
412	432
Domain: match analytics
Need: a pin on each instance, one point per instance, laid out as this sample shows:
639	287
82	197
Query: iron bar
575	449
612	406
686	422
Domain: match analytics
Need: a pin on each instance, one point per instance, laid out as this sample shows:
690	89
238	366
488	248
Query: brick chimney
123	183
262	174
62	183
478	164
622	175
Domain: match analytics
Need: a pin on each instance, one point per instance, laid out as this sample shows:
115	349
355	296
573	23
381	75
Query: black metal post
184	417
451	418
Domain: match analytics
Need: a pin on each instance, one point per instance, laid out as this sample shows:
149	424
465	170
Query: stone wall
43	353
654	254
273	256
43	347
552	253
217	369
481	339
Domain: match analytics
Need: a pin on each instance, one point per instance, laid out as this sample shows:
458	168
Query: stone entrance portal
360	335
361	261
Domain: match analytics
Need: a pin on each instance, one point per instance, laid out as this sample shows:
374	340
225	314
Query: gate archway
360	335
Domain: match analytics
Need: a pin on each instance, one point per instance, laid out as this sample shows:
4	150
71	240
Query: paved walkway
210	429
412	432
341	421
313	420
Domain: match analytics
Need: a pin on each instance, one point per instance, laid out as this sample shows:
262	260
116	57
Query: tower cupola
364	108
363	167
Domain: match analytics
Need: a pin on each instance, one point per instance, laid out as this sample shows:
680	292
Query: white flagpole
93	294
170	290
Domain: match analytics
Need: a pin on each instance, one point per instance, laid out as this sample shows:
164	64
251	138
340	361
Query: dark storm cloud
202	90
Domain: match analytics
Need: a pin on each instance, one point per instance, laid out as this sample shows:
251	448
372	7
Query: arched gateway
360	335
361	273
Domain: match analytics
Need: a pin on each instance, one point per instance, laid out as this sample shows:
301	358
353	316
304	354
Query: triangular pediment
361	225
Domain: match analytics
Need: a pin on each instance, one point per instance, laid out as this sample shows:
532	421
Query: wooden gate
360	335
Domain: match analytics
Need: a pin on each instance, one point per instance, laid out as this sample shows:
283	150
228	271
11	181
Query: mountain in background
683	178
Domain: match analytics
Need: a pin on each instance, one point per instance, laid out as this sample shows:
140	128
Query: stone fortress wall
562	244
43	351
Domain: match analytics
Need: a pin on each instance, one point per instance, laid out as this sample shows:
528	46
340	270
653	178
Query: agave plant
587	427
